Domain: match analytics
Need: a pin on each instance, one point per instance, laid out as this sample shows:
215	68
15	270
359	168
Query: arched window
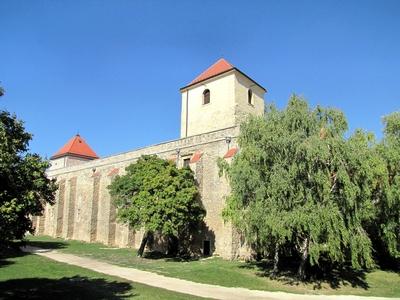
250	97
206	96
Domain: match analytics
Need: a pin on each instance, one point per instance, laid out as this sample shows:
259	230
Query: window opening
250	97
206	96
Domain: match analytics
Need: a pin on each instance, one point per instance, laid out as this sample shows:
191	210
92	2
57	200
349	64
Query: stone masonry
84	210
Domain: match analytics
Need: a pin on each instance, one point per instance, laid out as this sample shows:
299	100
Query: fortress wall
48	223
59	209
103	211
116	161
70	213
83	210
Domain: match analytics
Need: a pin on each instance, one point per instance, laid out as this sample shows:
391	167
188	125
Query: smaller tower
75	152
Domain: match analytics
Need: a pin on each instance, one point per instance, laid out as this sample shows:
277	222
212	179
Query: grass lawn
232	273
29	276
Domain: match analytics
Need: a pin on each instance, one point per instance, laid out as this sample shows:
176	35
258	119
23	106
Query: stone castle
213	106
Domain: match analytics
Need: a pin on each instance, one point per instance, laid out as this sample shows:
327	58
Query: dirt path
180	285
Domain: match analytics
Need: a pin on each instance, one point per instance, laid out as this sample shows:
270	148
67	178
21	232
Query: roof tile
231	152
196	157
217	68
76	146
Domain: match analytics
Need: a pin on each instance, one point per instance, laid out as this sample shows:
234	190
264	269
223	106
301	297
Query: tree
298	183
156	195
388	206
24	187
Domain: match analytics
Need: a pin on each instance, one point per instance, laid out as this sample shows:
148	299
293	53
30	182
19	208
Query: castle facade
213	106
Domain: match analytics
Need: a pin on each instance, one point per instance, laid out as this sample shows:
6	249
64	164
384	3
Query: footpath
180	285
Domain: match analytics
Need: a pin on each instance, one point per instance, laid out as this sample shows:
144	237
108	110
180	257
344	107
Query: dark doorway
186	162
206	248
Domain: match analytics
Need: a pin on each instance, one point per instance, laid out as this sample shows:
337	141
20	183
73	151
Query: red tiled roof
196	157
76	146
219	67
231	152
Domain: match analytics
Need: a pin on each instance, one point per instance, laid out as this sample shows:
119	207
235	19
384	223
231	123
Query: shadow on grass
160	255
10	251
6	253
47	244
334	277
76	287
13	249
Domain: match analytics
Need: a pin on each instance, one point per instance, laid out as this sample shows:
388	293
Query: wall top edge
167	146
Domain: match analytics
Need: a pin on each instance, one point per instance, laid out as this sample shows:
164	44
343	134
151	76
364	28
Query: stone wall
83	210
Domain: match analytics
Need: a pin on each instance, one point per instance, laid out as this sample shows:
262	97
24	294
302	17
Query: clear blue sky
112	69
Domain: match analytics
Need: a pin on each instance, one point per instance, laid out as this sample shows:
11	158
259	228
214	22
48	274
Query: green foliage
389	203
299	182
24	187
158	196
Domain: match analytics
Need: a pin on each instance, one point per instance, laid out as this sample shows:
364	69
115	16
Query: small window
206	96
186	162
206	248
250	97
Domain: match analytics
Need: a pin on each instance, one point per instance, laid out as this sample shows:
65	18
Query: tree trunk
276	261
301	273
143	243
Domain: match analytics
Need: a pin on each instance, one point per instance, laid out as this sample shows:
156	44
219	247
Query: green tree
157	196
388	217
298	183
24	187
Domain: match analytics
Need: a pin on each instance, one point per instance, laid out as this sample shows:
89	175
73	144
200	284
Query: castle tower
219	98
76	151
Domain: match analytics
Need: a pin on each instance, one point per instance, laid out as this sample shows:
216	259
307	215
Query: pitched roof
231	152
76	146
196	157
219	67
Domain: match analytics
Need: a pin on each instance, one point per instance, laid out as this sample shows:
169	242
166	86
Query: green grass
29	276
233	273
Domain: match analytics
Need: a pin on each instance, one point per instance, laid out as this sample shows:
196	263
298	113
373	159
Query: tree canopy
24	187
156	195
298	183
388	205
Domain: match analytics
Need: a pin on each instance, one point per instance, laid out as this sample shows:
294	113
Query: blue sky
111	70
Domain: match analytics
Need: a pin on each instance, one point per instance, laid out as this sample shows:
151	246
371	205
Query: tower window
186	162
206	96
250	97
